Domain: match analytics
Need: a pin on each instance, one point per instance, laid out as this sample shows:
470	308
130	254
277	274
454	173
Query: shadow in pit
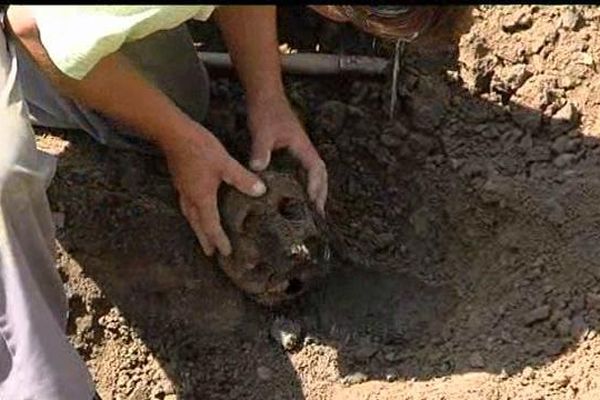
488	263
378	309
124	234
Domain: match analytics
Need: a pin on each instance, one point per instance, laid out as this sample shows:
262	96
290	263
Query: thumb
243	180
261	152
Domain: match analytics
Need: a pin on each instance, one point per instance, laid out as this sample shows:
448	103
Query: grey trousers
167	59
36	360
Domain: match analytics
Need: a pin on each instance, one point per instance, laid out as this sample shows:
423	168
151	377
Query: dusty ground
469	257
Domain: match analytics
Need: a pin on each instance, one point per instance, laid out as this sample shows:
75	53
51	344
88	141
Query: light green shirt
77	37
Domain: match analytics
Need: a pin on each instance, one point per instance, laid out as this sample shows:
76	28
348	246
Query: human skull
279	243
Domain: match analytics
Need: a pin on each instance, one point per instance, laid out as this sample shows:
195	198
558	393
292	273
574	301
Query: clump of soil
466	264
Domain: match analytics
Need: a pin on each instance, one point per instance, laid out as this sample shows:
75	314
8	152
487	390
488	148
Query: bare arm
198	162
251	38
250	33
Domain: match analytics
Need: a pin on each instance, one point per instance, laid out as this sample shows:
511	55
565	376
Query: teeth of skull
326	253
300	251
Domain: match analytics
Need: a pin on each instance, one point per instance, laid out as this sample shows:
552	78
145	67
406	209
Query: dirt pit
466	262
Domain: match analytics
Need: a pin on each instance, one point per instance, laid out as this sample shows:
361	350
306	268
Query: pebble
391	376
563	328
564	159
286	333
579	327
264	373
59	219
476	360
390	140
528	373
570	18
503	375
560	144
592	301
565	119
354	378
566	82
392	356
517	22
555	212
365	351
562	381
516	75
309	339
536	315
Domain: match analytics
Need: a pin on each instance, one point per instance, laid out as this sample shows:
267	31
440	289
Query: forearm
250	33
115	88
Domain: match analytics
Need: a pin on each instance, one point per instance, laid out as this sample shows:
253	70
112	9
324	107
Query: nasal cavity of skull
291	209
294	286
261	266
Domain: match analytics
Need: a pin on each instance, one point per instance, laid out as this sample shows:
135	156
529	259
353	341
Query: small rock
586	59
503	375
355	378
536	315
539	153
476	360
590	335
286	333
570	18
579	327
526	120
566	82
496	189
555	212
59	219
84	324
511	78
390	140
264	373
515	22
528	373
561	381
392	356
391	376
309	340
564	159
553	347
563	328
490	132
170	397
560	144
331	116
573	145
365	351
592	301
565	119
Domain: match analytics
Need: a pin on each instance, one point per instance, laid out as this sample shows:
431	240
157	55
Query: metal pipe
310	63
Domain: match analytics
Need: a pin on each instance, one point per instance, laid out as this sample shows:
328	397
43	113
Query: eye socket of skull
248	219
291	209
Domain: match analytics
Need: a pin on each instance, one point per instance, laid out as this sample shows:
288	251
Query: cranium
279	243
